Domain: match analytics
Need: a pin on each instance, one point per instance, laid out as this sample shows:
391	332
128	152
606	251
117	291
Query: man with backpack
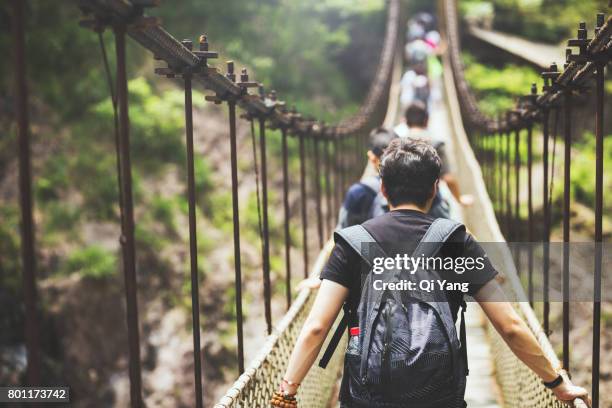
363	199
415	127
404	351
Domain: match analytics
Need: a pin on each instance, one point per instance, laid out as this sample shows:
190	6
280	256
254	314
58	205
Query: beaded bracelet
281	400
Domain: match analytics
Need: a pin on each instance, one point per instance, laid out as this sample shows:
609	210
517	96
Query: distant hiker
363	199
404	350
415	127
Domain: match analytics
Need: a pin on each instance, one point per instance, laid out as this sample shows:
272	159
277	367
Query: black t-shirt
400	231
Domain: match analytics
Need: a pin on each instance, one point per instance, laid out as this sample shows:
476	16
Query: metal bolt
244	75
203	42
534	89
600	22
230	71
582	31
568	54
187	44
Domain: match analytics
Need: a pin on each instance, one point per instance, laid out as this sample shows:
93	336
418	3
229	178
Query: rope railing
497	144
330	152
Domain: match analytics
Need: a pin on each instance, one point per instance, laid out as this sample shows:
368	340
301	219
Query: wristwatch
554	383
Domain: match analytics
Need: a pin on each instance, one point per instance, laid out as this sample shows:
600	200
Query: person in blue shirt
363	199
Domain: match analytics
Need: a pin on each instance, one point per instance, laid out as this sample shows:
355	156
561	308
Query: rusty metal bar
127	222
265	225
566	223
509	229
303	202
328	193
547	220
285	155
28	252
236	213
193	243
517	199
530	227
317	185
599	173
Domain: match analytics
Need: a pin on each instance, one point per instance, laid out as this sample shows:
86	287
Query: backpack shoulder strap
436	236
366	246
361	241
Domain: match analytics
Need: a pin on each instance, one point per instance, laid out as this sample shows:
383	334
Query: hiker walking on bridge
404	350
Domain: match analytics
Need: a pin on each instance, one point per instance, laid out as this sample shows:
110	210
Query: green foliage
541	20
497	89
309	37
163	210
583	171
10	278
93	262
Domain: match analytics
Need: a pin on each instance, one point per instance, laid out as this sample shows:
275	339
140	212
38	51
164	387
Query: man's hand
567	392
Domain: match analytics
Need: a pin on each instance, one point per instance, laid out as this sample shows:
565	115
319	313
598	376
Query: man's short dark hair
409	169
379	140
416	114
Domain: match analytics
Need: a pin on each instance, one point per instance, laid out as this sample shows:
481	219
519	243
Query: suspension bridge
479	146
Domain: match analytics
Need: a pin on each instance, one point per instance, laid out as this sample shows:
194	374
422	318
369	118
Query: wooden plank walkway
539	54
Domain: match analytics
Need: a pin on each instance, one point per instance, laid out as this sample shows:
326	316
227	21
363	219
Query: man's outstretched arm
522	342
325	309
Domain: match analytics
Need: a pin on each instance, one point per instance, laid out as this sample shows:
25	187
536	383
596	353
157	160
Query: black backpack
409	354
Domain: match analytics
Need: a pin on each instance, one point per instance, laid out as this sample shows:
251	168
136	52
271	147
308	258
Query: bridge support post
28	252
303	202
127	221
193	244
317	185
285	155
599	172
567	118
265	226
236	214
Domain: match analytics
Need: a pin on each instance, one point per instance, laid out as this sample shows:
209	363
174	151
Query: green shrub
93	262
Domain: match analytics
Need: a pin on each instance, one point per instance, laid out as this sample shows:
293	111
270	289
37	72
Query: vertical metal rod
303	200
28	253
340	155
530	230
517	199
127	222
547	212
566	223
509	230
599	173
499	173
317	184
266	233
337	178
193	243
236	212
285	154
328	193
